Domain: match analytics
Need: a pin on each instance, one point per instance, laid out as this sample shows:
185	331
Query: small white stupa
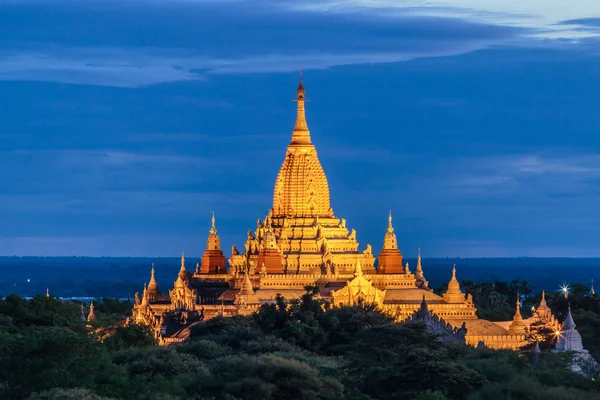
568	338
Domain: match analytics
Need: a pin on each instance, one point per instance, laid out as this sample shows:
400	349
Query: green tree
131	335
540	332
67	394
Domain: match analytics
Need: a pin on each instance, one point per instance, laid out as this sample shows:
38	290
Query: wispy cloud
513	170
97	66
260	37
544	19
131	68
94	170
100	157
248	37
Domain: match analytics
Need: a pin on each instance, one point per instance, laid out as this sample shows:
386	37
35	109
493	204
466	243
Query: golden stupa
302	243
301	235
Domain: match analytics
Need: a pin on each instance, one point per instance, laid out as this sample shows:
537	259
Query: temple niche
301	242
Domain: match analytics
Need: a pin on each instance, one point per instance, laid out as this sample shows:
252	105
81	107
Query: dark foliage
287	350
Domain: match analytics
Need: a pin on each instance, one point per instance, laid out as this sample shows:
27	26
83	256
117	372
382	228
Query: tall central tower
301	235
301	189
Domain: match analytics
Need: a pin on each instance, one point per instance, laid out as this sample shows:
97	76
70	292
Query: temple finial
145	295
390	227
213	230
153	286
182	270
543	305
453	293
569	323
91	316
517	326
301	134
358	269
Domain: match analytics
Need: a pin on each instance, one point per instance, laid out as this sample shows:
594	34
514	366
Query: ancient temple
301	242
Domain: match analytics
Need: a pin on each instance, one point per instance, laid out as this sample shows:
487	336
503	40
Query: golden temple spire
453	285
518	316
152	286
91	315
301	188
421	281
182	270
517	326
358	270
246	296
543	304
246	288
454	294
301	134
213	242
213	230
145	295
390	241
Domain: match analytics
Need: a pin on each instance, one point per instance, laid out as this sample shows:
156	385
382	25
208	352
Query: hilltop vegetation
293	350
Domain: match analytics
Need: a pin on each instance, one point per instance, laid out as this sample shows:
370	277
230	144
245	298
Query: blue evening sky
123	124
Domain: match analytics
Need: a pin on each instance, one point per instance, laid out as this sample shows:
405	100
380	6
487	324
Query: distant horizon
117	276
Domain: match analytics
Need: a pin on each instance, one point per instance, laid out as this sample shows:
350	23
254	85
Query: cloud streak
543	19
130	68
518	170
259	37
215	39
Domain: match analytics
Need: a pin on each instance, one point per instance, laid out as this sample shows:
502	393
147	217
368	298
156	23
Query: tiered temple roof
302	243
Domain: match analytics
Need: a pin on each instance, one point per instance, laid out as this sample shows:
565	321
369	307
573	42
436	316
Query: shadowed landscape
286	350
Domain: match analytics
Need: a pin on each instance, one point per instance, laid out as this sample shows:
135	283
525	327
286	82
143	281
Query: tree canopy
297	349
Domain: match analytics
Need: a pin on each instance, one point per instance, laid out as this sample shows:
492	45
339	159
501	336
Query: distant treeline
121	277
